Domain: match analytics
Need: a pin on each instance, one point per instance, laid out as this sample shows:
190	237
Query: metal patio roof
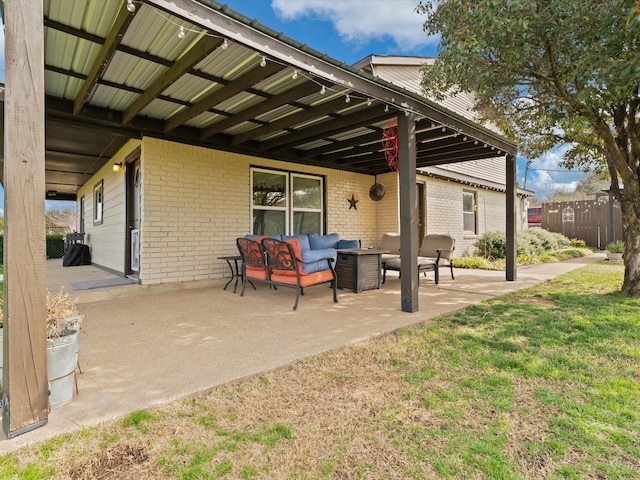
229	83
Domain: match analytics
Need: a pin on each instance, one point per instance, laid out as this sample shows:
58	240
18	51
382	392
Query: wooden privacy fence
595	222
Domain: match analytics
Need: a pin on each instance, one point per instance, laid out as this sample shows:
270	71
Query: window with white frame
98	202
469	212
286	203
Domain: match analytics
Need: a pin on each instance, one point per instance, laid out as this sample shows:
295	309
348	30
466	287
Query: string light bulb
295	74
181	32
369	102
263	62
386	108
347	99
225	44
323	90
130	6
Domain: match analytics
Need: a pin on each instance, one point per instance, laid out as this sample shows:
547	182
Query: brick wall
196	202
444	212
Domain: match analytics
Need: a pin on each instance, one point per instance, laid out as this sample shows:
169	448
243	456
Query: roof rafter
194	56
334	127
105	55
283	123
287	97
233	88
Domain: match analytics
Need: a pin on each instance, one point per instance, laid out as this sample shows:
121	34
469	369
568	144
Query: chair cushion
296	251
319	242
306	280
393	264
316	260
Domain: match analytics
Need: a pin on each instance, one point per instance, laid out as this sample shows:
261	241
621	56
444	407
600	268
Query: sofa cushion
349	244
257	238
303	241
316	260
319	242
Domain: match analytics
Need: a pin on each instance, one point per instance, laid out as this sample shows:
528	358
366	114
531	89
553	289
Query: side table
236	272
359	269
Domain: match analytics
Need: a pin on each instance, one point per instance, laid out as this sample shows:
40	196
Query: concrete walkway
146	346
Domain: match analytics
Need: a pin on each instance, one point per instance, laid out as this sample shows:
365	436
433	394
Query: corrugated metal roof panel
203	120
239	102
241	128
230	63
132	71
190	88
157	33
93	17
160	109
277	113
112	98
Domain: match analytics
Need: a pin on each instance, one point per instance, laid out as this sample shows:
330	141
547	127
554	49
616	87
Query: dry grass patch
541	384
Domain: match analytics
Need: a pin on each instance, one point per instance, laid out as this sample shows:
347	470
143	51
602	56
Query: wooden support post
409	281
25	387
511	218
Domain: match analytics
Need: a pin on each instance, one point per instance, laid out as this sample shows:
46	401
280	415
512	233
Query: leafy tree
552	72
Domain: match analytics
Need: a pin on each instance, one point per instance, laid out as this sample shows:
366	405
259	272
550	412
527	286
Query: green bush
55	245
530	243
492	245
615	247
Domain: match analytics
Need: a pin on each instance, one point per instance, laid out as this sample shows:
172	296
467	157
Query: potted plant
63	326
615	250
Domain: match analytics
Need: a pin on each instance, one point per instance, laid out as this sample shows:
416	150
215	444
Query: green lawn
542	383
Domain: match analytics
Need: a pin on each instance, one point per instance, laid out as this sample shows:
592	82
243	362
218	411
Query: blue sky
350	30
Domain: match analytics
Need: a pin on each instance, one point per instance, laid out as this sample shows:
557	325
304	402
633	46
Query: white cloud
360	21
546	176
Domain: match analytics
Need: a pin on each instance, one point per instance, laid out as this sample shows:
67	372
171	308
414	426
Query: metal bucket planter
62	359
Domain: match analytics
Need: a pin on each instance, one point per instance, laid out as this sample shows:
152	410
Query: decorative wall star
352	202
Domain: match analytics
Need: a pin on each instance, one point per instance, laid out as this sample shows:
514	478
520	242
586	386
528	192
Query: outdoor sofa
296	261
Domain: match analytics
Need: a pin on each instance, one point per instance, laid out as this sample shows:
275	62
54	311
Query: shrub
55	245
530	242
616	247
576	242
492	245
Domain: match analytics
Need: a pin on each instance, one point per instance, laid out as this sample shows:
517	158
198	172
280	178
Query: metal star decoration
352	202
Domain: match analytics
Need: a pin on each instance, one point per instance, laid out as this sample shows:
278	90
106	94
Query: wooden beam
105	55
194	56
511	228
25	334
233	88
410	280
272	103
321	110
337	126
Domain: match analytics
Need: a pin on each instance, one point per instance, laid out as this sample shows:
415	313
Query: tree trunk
631	221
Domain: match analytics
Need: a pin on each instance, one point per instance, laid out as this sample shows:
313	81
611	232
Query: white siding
107	240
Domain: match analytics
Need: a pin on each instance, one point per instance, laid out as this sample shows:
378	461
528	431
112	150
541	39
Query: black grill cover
77	254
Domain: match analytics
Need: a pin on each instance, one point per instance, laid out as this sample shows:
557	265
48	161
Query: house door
420	211
134	191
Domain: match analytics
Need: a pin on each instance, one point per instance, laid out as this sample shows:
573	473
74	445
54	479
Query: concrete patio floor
150	345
